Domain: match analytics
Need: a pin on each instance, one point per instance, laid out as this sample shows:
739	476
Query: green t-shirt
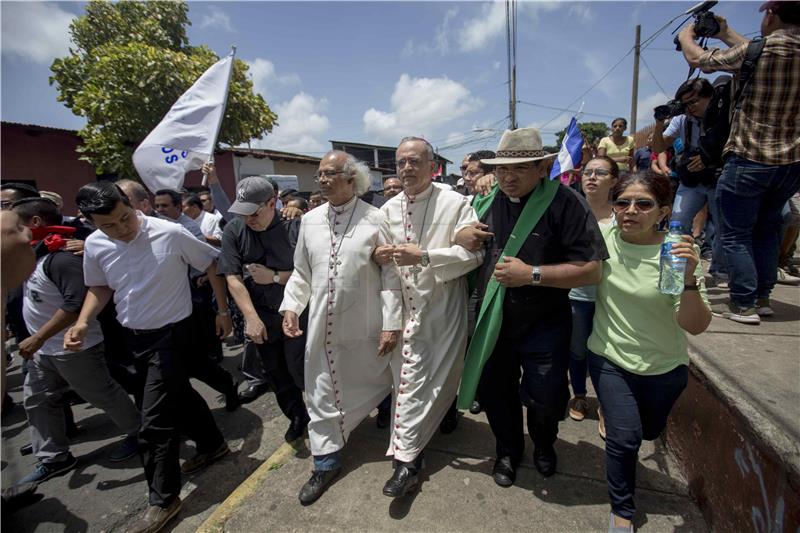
635	326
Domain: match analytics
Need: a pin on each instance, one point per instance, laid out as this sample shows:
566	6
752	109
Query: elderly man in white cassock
424	221
355	313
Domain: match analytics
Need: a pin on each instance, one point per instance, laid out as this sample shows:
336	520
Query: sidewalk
457	492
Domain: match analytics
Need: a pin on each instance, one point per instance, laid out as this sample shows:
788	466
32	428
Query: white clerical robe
427	369
351	300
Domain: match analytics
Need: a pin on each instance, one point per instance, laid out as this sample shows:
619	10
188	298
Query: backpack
716	124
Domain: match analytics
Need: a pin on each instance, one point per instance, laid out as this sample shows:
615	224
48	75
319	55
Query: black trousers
282	359
170	407
519	372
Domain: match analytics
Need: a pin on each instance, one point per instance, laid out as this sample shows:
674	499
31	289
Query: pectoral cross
334	265
415	270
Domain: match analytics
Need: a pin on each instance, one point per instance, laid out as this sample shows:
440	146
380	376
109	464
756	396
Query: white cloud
496	65
36	31
419	107
217	19
266	79
441	43
644	108
302	125
597	67
490	23
581	12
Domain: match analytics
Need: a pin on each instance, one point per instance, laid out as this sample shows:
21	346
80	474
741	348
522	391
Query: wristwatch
536	276
222	313
693	287
276	277
426	260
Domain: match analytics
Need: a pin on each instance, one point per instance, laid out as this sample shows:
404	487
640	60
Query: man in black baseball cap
257	260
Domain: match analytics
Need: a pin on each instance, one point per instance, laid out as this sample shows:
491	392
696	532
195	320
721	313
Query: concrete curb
216	522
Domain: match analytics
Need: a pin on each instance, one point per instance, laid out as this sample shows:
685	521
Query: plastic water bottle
671	278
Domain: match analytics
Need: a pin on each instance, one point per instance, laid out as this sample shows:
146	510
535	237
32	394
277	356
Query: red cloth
54	237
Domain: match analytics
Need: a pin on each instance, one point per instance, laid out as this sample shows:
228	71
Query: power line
565	109
652	74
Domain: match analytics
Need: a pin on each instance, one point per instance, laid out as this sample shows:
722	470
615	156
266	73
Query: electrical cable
652	74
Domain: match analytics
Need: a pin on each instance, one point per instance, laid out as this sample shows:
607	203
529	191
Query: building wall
46	157
304	171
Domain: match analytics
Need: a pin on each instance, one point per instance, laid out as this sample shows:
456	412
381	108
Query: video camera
705	23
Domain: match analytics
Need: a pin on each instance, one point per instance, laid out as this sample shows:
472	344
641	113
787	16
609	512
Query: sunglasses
642	204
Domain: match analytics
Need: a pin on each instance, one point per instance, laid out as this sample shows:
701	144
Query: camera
673	108
705	23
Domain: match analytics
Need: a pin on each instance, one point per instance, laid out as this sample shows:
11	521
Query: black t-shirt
273	248
566	232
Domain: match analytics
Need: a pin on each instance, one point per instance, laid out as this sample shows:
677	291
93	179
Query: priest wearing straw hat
545	241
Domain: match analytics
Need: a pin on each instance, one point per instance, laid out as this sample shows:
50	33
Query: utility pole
511	49
635	88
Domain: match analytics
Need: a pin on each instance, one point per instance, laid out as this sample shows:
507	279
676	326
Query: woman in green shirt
638	352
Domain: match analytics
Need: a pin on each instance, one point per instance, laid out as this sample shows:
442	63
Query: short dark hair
612	165
787	11
658	185
100	198
44	208
482	154
317	192
623	119
193	199
299	199
174	195
274	186
701	86
21	190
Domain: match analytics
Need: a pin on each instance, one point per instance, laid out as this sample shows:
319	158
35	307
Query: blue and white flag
185	137
570	152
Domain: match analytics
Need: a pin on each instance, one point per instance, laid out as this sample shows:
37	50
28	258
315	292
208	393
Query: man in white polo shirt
143	262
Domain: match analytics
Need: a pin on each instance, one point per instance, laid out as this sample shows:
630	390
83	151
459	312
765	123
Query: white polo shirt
148	274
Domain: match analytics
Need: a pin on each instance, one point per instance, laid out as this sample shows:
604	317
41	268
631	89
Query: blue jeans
331	461
635	408
688	202
582	315
750	197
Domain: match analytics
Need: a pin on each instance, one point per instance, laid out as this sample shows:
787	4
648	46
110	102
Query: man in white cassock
355	313
424	221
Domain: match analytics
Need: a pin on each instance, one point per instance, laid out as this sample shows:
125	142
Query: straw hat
519	146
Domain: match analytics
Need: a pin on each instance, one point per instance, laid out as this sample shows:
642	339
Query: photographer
762	154
698	178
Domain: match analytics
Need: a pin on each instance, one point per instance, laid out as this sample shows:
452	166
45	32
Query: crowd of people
496	295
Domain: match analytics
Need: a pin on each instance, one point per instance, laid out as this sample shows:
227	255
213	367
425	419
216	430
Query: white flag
185	137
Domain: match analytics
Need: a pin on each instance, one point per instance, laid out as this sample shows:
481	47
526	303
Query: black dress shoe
475	408
296	428
504	471
26	449
544	459
314	487
449	422
405	479
382	420
251	393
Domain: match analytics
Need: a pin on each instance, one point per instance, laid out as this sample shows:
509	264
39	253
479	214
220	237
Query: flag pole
219	126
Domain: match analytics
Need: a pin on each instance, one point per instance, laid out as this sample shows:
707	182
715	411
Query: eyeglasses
330	174
6	205
502	172
642	204
414	162
473	174
599	172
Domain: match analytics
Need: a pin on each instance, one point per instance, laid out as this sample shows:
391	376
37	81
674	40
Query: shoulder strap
748	68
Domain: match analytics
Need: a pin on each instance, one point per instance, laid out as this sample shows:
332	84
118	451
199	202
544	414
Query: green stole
490	317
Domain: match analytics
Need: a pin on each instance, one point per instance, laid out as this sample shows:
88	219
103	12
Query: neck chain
407	219
335	247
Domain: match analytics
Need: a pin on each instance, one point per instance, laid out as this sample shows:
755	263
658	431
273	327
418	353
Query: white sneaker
784	278
737	314
763	308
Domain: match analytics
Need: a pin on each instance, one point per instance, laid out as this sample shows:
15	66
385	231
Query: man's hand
291	325
695	164
383	254
387	342
261	274
254	330
201	280
75	246
484	184
73	338
290	213
512	272
210	172
30	346
223	325
473	237
407	254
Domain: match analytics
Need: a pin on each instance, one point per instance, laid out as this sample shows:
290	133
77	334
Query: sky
374	72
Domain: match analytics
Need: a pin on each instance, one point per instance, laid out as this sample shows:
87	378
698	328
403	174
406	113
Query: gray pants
50	376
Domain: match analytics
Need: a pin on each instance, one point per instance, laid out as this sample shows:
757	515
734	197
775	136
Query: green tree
129	62
592	132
